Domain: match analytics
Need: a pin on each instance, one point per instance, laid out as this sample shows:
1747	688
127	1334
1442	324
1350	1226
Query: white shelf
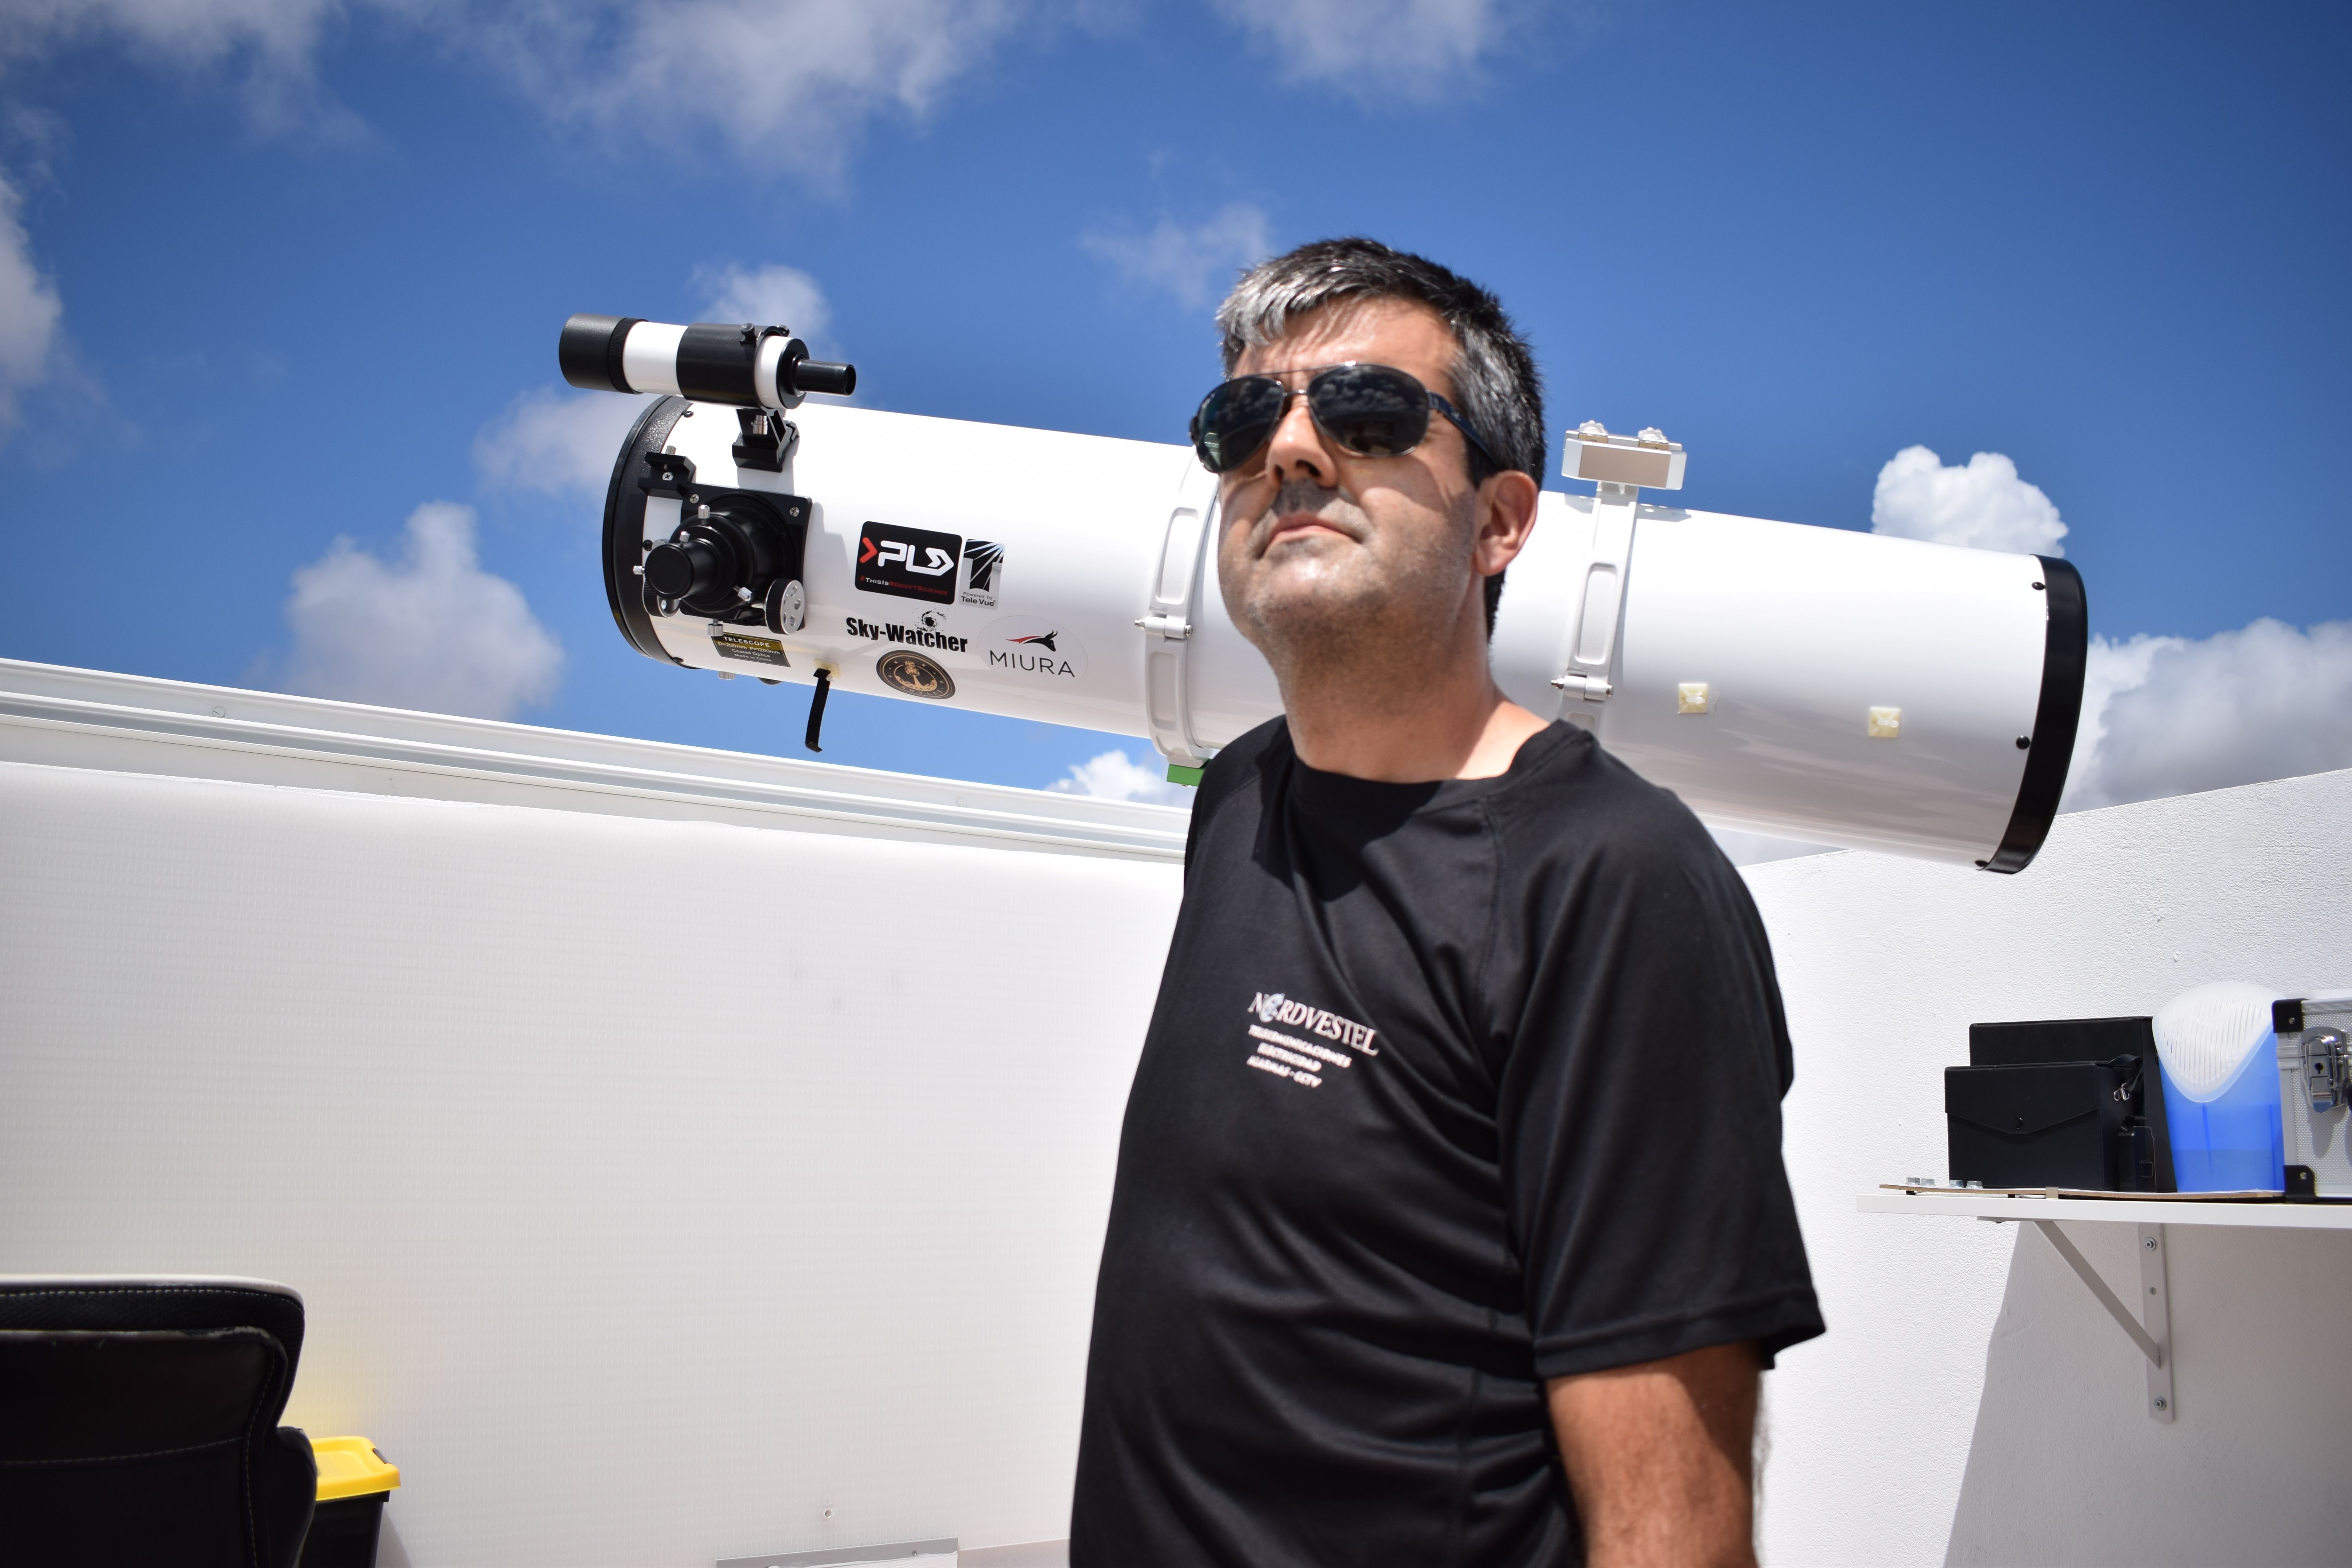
1963	1205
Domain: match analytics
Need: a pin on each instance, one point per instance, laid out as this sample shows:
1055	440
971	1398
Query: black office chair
139	1423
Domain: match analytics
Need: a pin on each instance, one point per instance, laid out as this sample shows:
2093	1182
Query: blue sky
286	272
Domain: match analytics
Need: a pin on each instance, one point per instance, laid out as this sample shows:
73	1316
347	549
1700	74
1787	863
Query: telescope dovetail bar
1814	683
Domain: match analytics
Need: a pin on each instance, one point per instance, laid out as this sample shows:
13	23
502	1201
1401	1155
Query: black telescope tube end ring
624	528
2065	655
590	351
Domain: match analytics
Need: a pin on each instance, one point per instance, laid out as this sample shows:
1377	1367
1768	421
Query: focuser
734	556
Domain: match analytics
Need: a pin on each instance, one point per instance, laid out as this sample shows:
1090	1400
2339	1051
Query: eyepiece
590	351
823	375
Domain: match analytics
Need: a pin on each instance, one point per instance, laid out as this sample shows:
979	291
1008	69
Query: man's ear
1506	516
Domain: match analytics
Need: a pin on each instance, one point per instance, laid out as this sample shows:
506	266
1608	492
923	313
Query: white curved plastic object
2206	1035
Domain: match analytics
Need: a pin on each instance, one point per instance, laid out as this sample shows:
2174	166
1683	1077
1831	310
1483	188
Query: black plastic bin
355	1483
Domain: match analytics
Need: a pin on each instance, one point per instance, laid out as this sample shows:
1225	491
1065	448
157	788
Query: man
1450	1224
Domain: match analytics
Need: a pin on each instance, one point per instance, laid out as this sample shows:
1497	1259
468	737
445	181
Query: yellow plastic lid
350	1467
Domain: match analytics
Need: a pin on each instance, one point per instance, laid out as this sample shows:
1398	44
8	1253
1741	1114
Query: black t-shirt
1450	1087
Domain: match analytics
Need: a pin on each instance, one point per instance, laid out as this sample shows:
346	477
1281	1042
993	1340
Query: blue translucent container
2235	1142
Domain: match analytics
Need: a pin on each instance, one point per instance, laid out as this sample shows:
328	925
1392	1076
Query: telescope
1815	683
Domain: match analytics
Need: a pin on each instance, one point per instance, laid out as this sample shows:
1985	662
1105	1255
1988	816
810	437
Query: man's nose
1296	450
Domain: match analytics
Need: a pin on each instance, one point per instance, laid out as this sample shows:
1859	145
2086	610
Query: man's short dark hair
1496	383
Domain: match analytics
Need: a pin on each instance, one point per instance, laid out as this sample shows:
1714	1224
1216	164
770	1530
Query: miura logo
1273	1007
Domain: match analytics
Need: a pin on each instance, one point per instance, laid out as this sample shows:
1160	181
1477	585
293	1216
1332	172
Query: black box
343	1533
2088	1040
2041	1125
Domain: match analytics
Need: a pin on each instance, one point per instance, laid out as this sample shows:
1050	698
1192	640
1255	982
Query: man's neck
1449	722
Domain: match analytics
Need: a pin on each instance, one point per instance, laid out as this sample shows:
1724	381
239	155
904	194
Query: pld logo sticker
984	571
914	675
1034	648
911	563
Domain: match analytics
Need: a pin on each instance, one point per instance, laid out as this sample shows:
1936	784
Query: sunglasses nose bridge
1288	443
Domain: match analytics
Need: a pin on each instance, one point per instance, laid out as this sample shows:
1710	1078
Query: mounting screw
2149	1244
2162	1403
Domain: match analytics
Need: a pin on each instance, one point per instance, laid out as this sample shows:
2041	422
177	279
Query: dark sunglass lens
1369	409
1236	420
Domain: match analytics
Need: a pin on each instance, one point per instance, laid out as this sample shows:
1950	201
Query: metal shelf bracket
2151	1330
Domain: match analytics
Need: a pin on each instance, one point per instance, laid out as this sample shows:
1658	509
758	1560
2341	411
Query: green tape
1178	773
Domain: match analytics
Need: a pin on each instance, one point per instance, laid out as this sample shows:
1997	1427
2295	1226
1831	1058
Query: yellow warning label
755	650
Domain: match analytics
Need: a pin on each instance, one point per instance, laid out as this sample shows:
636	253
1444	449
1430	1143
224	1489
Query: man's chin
1290	604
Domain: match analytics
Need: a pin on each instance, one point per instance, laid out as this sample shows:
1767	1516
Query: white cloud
431	631
1115	775
188	33
2166	716
1982	504
1195	263
275	40
29	310
787	82
1378	51
556	441
773	296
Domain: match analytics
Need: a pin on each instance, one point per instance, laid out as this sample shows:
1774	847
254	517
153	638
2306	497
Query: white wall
654	1186
1883	1451
673	1145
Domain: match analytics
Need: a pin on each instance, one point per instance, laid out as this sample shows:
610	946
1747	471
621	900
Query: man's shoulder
1236	765
1582	802
1234	771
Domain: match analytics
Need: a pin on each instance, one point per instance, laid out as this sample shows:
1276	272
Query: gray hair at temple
1496	383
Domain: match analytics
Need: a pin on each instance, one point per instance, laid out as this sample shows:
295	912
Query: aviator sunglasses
1365	410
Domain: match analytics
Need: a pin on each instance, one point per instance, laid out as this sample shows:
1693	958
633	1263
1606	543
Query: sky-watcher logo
1273	1007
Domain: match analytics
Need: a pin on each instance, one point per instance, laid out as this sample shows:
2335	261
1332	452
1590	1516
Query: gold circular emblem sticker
914	675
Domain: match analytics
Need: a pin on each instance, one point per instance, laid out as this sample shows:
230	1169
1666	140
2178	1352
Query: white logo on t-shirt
1292	1057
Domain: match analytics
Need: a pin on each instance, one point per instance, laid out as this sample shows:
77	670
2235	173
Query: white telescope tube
1817	683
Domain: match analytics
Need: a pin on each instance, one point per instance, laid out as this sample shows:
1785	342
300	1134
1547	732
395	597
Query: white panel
82	718
654	1186
1885	963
